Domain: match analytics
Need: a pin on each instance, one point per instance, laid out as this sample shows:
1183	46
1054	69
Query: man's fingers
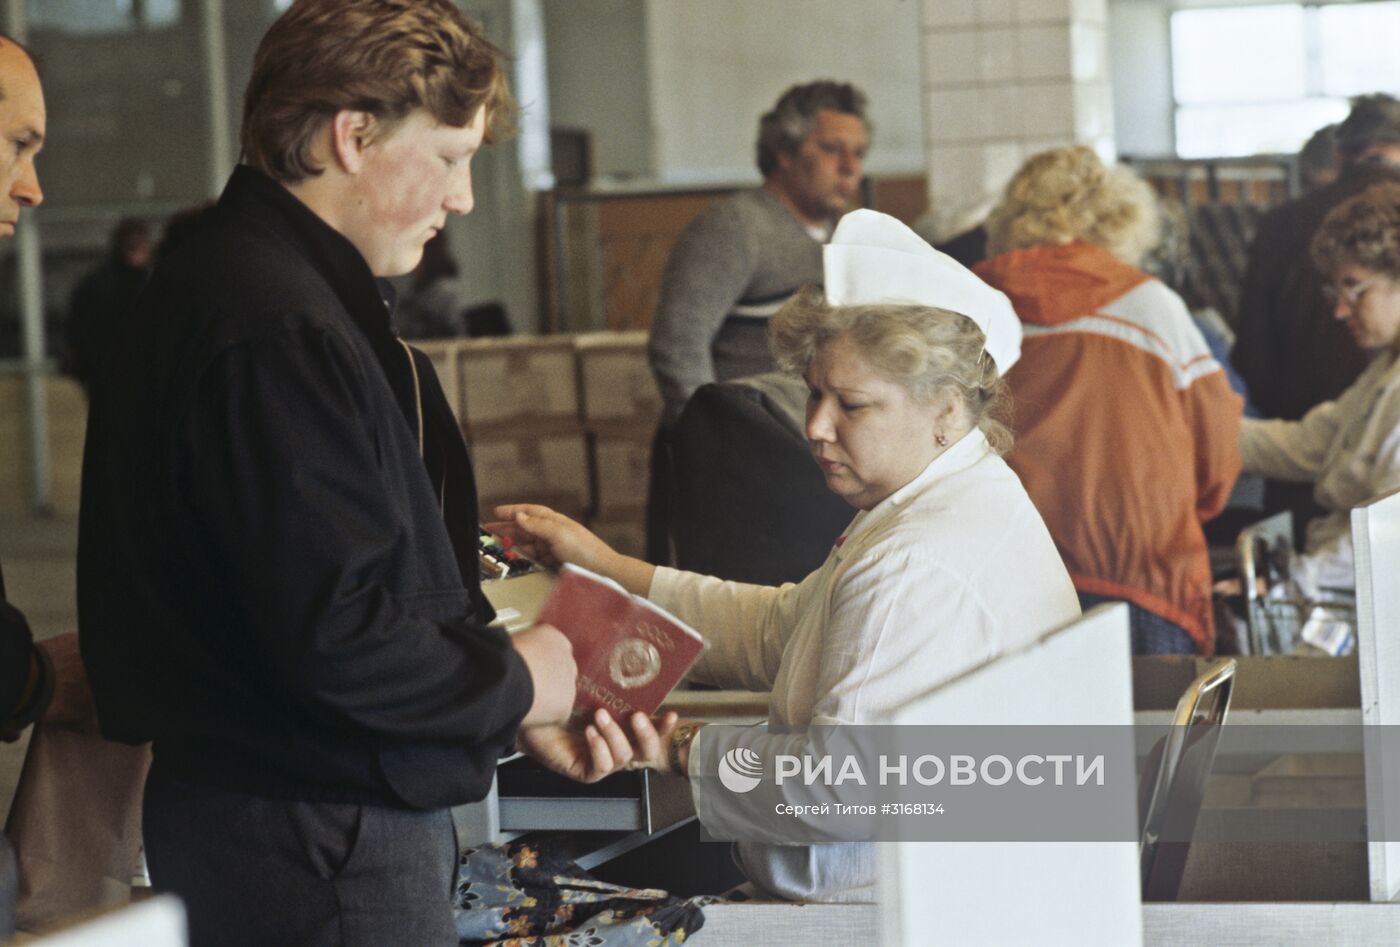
599	761
619	746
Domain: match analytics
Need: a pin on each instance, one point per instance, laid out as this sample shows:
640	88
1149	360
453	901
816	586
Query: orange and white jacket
1127	432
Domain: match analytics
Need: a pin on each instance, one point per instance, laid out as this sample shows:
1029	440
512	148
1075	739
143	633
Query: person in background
1348	449
1289	349
1127	429
1320	161
432	306
278	580
43	679
741	258
103	300
945	566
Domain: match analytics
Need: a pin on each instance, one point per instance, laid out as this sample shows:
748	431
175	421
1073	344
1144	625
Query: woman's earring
941	440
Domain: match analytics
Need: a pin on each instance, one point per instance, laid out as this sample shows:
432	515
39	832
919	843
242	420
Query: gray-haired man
741	258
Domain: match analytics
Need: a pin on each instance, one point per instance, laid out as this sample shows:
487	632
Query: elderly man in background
741	258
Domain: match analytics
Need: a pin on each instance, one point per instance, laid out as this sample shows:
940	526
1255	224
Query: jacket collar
968	450
368	301
1050	284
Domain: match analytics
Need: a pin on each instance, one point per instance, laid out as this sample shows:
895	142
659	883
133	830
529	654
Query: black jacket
267	586
98	312
19	657
1290	350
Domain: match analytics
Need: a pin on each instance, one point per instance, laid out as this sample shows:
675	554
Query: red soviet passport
629	652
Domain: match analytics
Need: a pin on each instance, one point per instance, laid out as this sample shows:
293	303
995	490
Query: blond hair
1067	195
924	349
1362	231
384	57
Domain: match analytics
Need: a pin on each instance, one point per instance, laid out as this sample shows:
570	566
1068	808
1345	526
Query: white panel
158	922
1375	530
1093	111
1088	48
1025	893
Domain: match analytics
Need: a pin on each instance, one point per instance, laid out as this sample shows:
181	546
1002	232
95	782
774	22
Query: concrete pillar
1004	79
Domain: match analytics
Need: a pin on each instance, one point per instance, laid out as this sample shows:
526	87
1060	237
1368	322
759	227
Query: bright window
90	17
1262	78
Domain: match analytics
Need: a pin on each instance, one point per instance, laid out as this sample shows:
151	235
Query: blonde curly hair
921	348
1362	231
1066	195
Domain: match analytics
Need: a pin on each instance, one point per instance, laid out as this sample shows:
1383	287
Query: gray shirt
733	267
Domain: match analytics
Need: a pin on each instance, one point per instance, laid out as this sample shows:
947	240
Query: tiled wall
1004	79
715	66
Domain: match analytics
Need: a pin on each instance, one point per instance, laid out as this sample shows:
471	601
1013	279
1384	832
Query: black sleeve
285	469
17	656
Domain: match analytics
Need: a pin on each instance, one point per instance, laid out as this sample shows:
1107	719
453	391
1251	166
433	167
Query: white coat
1351	449
951	570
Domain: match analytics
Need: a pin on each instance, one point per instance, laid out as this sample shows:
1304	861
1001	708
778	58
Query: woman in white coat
946	566
1349	448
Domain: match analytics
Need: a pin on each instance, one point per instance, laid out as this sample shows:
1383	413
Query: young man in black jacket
277	574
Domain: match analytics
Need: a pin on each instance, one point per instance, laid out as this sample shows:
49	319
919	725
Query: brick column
1004	79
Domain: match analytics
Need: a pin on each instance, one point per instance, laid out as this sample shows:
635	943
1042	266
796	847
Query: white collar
960	455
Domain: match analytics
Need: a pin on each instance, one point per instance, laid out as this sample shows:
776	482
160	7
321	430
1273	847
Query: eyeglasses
1352	294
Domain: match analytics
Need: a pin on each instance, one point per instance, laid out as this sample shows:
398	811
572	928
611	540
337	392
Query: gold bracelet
681	738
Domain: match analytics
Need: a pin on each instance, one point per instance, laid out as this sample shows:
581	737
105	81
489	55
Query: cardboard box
444	354
549	468
514	384
622	472
618	390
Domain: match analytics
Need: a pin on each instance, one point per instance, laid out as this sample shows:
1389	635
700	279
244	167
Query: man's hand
600	749
550	658
72	695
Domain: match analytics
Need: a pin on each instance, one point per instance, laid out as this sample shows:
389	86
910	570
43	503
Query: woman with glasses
1349	448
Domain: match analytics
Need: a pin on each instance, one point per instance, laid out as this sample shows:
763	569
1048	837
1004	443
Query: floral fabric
514	895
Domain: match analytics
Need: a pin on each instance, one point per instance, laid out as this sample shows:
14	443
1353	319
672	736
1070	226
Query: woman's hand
551	538
600	749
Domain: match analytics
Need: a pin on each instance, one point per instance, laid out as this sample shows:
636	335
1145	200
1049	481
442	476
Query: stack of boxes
566	421
620	409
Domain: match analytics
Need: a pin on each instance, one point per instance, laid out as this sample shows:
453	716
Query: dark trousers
9	889
274	872
1151	633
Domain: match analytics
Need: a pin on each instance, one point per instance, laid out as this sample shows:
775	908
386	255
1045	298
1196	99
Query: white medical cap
873	258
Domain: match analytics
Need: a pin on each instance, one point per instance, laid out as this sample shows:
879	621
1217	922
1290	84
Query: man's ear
351	134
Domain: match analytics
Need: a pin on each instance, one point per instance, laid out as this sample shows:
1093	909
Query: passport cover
630	653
